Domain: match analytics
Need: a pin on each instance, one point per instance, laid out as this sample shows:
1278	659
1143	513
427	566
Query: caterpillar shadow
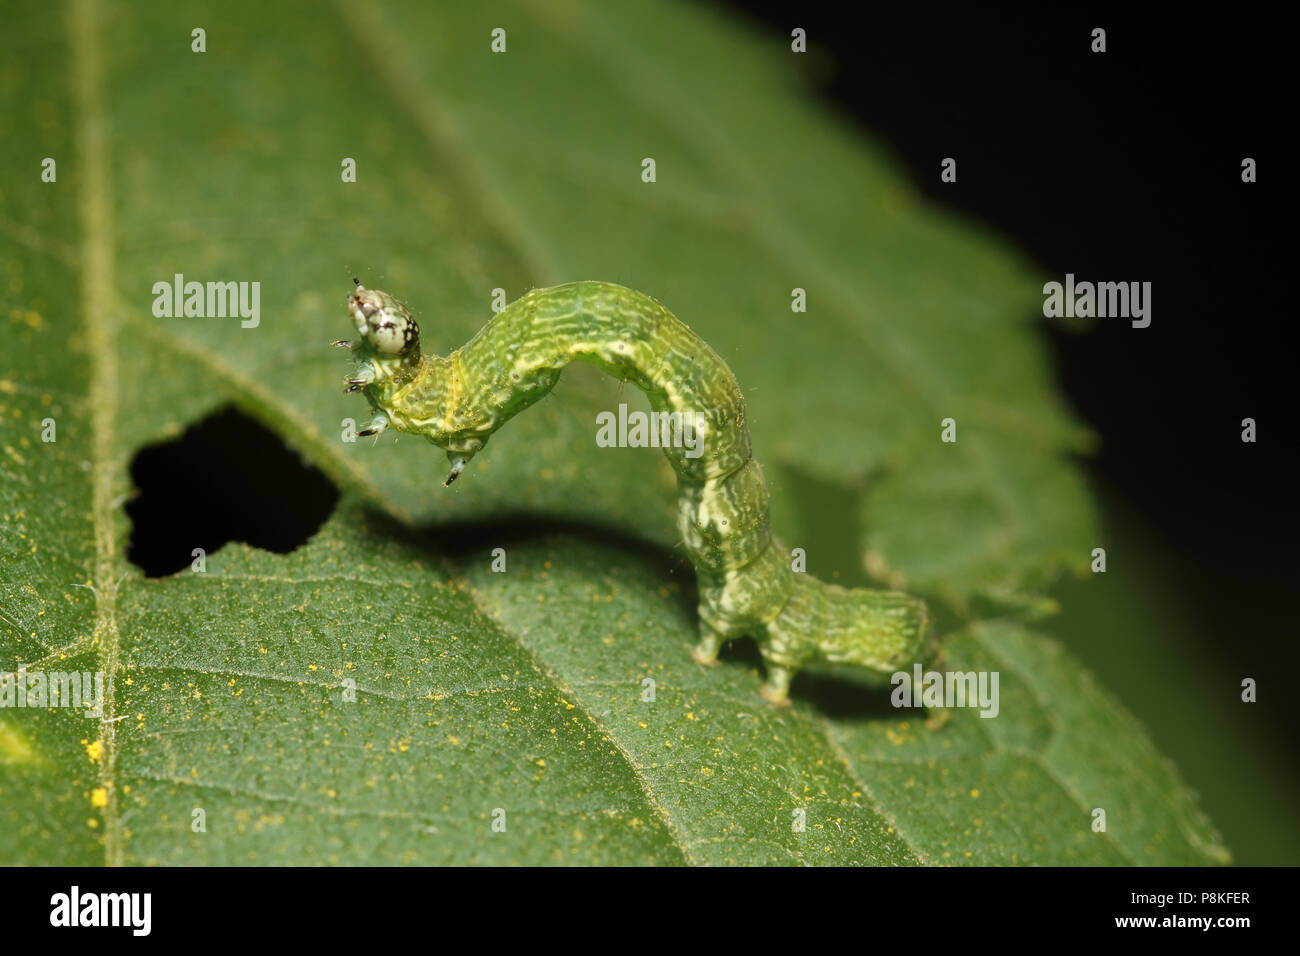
835	694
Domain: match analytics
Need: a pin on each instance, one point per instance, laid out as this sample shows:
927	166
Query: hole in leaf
227	478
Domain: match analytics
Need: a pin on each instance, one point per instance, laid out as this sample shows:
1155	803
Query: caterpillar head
385	324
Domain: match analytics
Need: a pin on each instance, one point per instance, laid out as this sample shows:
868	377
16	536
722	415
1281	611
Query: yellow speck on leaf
99	797
95	750
974	794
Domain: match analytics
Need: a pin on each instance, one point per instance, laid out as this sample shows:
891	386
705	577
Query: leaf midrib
100	316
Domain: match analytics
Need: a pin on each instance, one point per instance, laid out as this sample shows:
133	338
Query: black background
228	907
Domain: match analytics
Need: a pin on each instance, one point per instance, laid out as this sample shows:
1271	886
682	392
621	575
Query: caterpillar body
746	582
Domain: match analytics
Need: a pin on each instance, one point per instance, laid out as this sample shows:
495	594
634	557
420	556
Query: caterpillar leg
777	689
706	652
376	426
459	451
457	466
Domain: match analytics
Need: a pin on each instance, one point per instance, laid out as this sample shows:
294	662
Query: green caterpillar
746	583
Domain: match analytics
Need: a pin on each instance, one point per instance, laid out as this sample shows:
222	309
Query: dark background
1127	166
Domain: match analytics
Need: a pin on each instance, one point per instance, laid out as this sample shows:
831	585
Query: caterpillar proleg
746	583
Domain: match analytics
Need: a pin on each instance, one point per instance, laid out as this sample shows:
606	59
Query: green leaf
521	692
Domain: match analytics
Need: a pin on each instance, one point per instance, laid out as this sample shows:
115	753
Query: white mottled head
385	324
